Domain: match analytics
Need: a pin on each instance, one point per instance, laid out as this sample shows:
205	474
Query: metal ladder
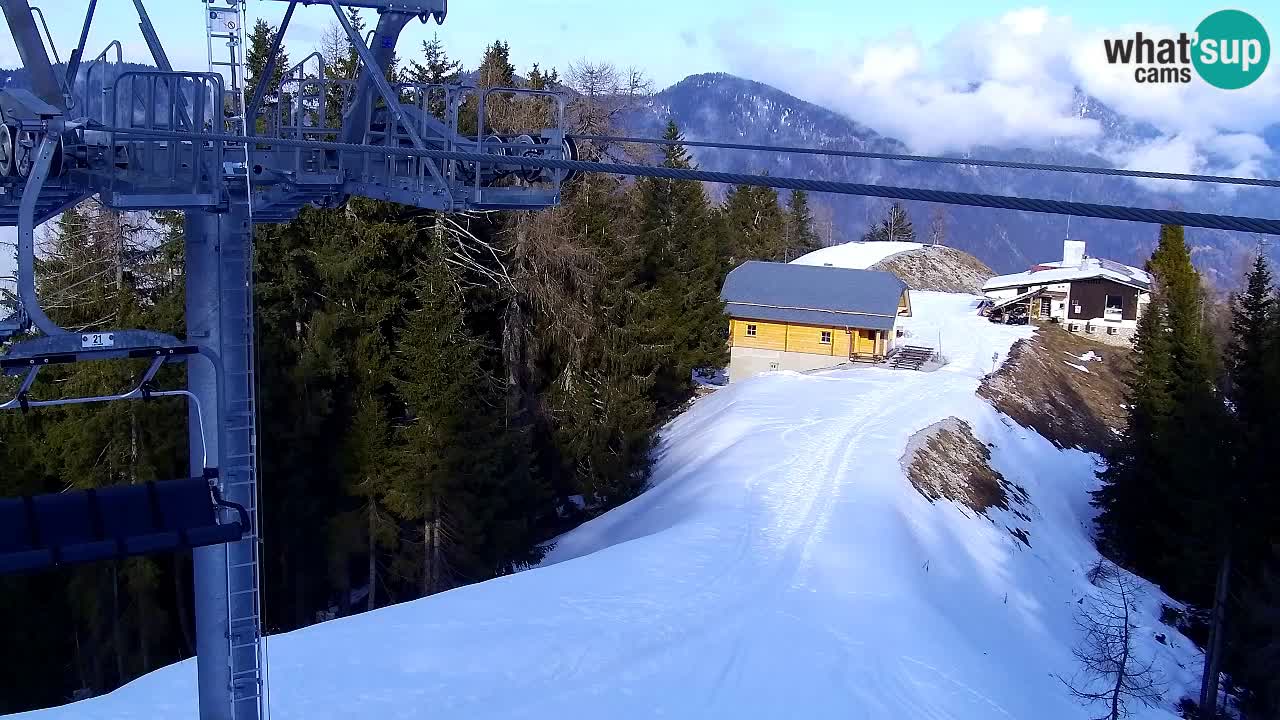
225	32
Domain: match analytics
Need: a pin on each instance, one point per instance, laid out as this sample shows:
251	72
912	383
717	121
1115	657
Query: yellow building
803	317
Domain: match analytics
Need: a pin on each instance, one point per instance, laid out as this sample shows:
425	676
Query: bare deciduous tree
605	94
1112	673
938	226
824	224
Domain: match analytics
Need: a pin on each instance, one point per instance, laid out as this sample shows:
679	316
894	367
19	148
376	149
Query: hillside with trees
1189	497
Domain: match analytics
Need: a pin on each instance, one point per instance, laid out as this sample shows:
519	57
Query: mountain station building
1093	296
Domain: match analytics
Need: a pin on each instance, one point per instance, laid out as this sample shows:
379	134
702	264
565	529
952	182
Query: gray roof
813	295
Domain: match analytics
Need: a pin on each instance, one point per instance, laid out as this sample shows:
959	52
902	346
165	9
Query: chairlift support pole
218	287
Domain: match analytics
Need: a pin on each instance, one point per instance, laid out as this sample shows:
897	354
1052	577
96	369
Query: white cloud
1011	81
1177	154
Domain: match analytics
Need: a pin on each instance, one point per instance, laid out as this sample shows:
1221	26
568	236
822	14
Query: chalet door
864	342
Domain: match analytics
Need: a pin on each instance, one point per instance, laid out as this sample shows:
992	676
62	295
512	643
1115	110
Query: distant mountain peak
721	106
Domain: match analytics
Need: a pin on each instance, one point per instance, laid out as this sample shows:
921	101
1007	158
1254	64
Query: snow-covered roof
856	255
1088	269
1017	298
812	295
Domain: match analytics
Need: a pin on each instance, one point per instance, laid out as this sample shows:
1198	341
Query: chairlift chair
79	526
46	531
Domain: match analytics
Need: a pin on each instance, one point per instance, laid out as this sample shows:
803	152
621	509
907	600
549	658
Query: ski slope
856	255
781	566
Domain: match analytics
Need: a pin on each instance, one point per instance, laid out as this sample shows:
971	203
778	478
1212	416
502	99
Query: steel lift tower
140	140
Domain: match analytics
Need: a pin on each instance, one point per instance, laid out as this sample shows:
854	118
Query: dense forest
439	395
1189	498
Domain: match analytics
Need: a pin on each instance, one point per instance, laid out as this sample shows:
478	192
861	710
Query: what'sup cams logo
1228	50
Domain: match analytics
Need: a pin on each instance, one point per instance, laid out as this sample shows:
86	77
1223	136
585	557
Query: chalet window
1115	307
825	338
751	330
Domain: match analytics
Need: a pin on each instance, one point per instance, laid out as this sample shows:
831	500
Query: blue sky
669	41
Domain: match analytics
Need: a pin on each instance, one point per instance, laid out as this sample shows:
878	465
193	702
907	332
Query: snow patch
856	255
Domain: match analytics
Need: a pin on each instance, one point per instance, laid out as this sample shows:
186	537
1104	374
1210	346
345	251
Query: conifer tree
256	58
463	478
1258	636
103	269
896	226
340	56
605	392
1253	367
801	236
679	270
1251	491
436	68
1249	360
1135	464
753	224
1162	505
496	69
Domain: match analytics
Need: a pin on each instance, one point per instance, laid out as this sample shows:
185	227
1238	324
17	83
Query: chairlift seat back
37	533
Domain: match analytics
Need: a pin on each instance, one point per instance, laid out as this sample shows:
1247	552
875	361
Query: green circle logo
1232	49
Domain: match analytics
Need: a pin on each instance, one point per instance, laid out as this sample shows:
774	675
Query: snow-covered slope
781	566
856	255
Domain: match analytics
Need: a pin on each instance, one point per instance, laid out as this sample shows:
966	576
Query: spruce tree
801	237
1251	365
1137	461
256	58
754	225
1163	504
896	226
496	69
463	478
436	68
1257	654
1252	491
678	272
101	269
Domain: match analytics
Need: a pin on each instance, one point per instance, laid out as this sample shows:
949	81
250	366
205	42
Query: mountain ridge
721	106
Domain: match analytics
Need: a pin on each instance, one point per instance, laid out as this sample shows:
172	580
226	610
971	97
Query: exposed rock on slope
1068	389
937	267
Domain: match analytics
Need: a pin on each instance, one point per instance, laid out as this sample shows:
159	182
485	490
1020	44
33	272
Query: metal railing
185	173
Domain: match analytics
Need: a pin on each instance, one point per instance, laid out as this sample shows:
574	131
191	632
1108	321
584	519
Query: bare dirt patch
946	460
1042	387
939	268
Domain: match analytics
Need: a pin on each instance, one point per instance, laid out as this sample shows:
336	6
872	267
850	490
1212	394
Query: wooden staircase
911	357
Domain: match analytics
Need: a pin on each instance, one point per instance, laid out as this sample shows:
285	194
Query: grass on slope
1069	389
